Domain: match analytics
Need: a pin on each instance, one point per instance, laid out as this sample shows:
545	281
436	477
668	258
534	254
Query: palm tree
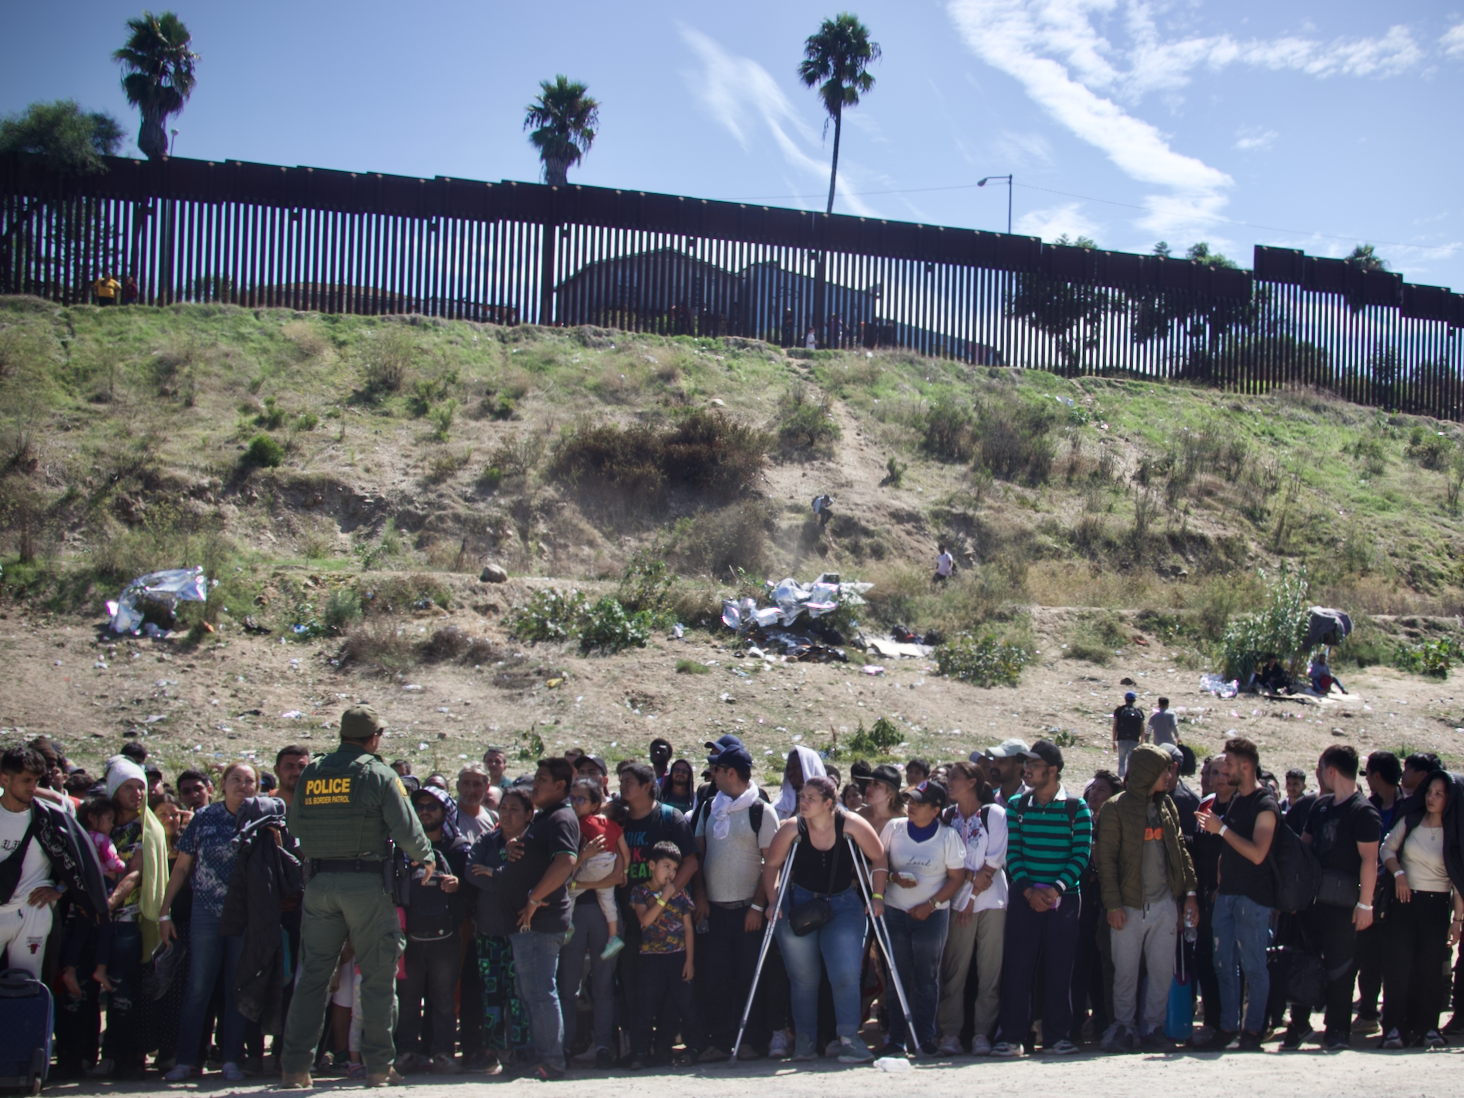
836	61
1365	257
562	121
158	76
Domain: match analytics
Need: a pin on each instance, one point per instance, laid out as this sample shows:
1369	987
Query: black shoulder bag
812	914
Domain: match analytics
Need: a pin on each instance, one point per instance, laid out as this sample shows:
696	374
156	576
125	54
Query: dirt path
1298	1075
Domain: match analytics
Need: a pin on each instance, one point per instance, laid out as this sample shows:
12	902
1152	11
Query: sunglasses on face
425	807
580	800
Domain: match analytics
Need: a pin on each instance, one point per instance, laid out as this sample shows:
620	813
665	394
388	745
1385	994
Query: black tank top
811	867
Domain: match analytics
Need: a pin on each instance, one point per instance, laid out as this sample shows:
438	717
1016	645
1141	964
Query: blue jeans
840	943
536	969
1242	930
918	948
208	952
591	932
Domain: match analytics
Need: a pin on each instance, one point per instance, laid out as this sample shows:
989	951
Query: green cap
360	722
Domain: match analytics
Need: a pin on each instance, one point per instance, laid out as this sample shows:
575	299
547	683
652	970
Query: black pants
1416	960
1092	974
1330	932
1370	951
1205	974
470	999
432	969
727	955
659	979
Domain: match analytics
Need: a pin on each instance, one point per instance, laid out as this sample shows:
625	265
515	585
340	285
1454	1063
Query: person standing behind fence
1128	730
978	913
1049	841
944	562
823	869
106	289
1145	872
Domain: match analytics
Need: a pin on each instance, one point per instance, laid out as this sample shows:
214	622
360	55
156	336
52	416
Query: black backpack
1296	869
1130	723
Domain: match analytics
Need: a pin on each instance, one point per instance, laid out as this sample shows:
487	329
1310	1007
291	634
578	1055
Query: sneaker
747	1052
1006	1050
1296	1037
356	1073
853	1050
233	1073
950	1046
1117	1039
104	1069
481	1061
1366	1024
1338	1042
603	1059
1434	1039
612	947
445	1063
778	1047
831	1049
1249	1042
179	1073
712	1055
981	1045
1219	1041
1394	1040
803	1049
407	1063
587	1056
1157	1041
548	1073
1063	1047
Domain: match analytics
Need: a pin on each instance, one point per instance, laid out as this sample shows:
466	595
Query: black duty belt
345	865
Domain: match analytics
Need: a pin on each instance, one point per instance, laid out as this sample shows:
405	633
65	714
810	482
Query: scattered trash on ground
1215	684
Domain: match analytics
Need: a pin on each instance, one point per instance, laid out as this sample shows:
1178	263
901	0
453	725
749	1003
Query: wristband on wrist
877	895
1364	907
759	910
1399	874
661	900
1223	829
165	918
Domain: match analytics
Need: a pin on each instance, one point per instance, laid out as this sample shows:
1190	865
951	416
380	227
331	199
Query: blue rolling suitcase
27	1021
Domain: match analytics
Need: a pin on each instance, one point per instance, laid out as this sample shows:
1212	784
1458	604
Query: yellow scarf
154	879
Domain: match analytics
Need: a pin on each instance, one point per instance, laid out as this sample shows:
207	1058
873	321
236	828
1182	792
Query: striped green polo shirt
1048	844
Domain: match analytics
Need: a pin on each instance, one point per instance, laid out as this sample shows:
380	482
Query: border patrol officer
346	806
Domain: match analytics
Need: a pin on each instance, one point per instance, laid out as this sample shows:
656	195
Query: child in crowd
84	936
609	864
668	940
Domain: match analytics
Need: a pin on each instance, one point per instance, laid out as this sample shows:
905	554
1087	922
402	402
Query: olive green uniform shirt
348	803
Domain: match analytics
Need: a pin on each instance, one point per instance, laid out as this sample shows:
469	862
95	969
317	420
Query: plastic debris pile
155	594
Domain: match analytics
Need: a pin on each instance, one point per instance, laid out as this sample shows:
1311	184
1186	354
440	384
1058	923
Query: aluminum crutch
882	936
771	913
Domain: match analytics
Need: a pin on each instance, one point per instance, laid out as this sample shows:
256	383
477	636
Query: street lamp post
173	141
1008	180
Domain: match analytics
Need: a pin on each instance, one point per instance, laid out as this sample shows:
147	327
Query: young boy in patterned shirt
668	941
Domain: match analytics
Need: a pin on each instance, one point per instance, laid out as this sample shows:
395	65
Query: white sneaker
981	1045
950	1046
778	1047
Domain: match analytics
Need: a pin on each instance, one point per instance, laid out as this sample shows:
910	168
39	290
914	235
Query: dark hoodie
1118	849
431	912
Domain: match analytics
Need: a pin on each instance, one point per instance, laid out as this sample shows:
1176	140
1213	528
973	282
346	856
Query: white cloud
744	98
1255	139
1453	41
1053	222
1021	150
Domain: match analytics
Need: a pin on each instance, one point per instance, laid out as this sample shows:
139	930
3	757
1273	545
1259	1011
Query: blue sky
1313	126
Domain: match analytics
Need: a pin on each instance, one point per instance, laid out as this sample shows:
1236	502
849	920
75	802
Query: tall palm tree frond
562	121
158	74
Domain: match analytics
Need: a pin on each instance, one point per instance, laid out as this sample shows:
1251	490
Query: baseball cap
1130	697
720	744
1047	751
1007	749
737	757
593	760
928	793
360	722
889	776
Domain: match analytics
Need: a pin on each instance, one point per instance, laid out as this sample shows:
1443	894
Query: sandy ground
239	693
1303	1075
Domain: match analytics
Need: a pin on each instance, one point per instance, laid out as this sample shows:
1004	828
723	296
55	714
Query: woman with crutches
822	913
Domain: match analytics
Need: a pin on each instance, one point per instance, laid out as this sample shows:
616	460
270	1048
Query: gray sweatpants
1148	935
982	938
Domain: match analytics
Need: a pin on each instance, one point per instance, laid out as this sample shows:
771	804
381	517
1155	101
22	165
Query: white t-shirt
35	871
733	866
985	846
943	564
929	862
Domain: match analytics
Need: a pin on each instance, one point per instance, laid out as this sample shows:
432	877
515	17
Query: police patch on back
327	791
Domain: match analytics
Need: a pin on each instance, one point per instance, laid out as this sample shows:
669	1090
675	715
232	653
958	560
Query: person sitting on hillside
1273	678
823	508
1321	676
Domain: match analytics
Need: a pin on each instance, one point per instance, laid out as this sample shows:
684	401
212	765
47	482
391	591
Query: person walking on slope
1128	730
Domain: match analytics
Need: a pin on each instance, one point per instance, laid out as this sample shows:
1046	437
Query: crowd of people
619	917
